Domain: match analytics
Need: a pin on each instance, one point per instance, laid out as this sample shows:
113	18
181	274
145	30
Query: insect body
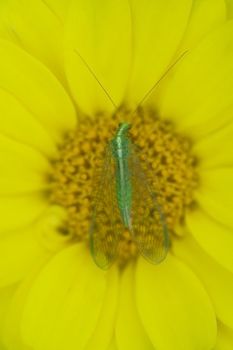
125	200
120	151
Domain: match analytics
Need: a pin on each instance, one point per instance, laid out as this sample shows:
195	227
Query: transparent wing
148	225
106	223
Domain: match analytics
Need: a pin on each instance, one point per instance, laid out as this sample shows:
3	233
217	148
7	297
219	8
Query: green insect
125	200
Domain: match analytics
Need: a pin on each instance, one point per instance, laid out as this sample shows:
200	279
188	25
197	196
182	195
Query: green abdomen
120	146
123	189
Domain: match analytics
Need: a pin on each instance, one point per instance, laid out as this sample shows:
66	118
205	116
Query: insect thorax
120	147
120	143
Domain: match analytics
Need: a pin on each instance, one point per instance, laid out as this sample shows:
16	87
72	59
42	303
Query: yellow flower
56	118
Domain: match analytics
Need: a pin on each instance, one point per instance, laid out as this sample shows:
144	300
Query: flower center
166	153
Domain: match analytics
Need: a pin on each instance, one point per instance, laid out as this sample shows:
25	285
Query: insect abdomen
120	151
124	190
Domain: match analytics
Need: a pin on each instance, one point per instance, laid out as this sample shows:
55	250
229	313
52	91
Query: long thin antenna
158	81
96	78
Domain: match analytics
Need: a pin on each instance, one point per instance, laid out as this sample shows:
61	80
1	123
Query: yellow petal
23	249
3	347
21	125
48	228
34	159
6	295
37	89
18	252
105	327
11	334
174	307
229	5
36	238
130	333
158	27
4	32
215	150
217	281
215	194
36	27
100	31
201	85
225	338
64	303
205	16
59	7
18	212
113	345
22	169
214	238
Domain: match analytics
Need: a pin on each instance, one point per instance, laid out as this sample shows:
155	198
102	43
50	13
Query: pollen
165	154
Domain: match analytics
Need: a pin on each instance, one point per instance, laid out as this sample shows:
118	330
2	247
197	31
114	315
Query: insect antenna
148	93
96	78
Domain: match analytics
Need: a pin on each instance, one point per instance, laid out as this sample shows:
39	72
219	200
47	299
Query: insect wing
106	222
148	225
